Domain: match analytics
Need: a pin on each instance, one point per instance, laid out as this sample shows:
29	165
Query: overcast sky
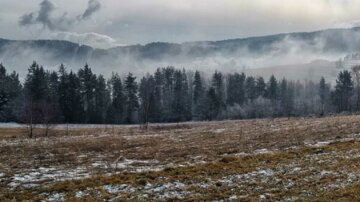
106	23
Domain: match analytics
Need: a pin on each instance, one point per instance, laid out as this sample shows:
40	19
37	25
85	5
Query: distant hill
226	55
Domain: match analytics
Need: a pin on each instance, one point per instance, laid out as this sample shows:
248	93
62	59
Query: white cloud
92	39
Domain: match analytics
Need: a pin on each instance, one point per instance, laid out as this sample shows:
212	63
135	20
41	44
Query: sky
109	23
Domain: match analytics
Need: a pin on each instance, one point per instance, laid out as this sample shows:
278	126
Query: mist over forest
307	55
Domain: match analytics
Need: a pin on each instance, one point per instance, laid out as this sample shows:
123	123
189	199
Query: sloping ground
252	160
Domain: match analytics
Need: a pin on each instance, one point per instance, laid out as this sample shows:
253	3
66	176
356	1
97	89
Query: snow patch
220	130
115	188
263	151
56	197
29	179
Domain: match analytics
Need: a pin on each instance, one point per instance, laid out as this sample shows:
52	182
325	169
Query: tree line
167	95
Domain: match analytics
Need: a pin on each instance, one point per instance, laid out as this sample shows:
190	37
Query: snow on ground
33	177
261	180
220	130
266	180
131	165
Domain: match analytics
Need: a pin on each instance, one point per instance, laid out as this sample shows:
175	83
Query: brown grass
217	143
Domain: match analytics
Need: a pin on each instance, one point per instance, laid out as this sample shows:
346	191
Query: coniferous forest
167	95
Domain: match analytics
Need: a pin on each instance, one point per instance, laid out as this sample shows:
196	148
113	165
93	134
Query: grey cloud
93	7
27	19
45	16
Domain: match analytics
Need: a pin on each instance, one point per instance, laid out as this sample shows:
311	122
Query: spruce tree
131	103
36	91
272	89
158	96
250	88
343	91
168	93
286	97
260	87
217	83
102	97
116	110
198	97
10	95
323	94
147	99
213	104
235	89
88	83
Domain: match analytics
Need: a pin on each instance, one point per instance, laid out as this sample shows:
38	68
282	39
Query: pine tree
260	87
51	109
187	102
4	97
168	93
236	89
324	90
74	100
116	110
10	95
286	96
147	99
87	91
102	97
158	96
131	103
180	106
213	104
250	88
343	91
218	84
272	89
36	91
63	94
198	97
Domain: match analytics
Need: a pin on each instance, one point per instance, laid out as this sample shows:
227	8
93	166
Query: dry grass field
287	159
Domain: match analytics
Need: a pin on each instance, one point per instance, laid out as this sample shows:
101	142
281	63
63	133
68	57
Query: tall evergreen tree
272	88
213	104
324	93
36	91
236	89
147	99
102	97
87	91
131	103
217	83
180	105
250	88
115	112
286	97
198	97
10	95
260	87
168	93
158	96
187	113
343	91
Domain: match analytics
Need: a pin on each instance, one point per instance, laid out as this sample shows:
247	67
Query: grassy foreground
305	159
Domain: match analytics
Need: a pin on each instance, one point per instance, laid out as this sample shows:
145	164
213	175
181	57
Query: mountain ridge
237	53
